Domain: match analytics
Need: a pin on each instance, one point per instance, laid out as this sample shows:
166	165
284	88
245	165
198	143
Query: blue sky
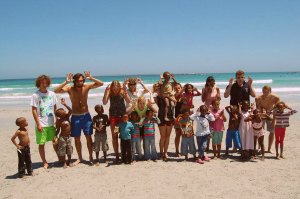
142	37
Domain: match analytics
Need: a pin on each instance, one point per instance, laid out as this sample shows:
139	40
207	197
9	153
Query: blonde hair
266	87
115	83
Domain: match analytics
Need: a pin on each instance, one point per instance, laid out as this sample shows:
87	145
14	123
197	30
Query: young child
217	127
63	129
233	127
149	135
186	127
188	96
100	122
258	130
167	92
281	121
246	131
135	137
202	120
126	130
23	147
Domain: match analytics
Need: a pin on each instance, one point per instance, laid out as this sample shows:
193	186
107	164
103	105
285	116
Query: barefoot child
149	135
217	127
100	122
126	129
136	137
23	147
167	92
63	129
186	127
202	120
233	127
258	130
281	121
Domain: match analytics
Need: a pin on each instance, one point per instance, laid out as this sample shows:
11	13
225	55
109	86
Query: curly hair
40	79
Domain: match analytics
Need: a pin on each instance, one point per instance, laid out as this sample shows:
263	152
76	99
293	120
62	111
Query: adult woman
210	93
117	97
178	96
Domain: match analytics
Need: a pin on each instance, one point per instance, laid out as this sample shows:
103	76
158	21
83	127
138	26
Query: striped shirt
282	119
149	128
136	133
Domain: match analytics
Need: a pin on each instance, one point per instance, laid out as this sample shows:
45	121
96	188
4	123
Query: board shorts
100	142
80	123
46	135
64	146
269	126
217	137
233	135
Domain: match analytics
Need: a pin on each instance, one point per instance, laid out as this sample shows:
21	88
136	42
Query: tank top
117	105
211	97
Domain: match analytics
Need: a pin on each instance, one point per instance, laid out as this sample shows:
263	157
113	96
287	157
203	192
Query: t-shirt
187	126
126	130
218	124
239	94
44	102
101	122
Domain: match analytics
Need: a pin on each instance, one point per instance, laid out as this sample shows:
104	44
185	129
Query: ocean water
19	91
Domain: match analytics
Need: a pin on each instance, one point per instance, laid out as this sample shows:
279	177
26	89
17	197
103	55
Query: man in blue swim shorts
81	119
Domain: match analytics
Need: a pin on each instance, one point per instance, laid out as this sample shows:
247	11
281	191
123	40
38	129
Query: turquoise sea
18	91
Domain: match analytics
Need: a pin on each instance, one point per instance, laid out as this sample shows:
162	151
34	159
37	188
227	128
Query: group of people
134	113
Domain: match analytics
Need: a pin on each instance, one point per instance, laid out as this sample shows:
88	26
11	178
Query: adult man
240	90
43	103
266	102
81	119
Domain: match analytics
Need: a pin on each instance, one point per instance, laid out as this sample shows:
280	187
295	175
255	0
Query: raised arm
63	102
96	82
173	77
228	89
106	95
151	103
228	109
64	87
146	89
197	92
252	91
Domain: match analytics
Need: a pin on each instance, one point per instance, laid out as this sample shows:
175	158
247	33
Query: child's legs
202	144
28	161
191	145
138	148
261	143
133	148
184	146
123	150
255	142
128	151
147	148
236	140
21	160
153	148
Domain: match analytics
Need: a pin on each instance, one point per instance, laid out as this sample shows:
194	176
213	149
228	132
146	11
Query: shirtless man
81	118
265	103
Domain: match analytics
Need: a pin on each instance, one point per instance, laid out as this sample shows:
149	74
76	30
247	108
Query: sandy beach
176	178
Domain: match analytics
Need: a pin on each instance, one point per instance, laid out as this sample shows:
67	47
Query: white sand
173	179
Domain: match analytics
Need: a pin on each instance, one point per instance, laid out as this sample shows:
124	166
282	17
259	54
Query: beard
78	85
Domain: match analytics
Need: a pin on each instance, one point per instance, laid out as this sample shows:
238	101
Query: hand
40	128
161	77
87	74
55	140
20	147
231	80
252	105
222	113
250	81
125	82
63	101
69	78
108	87
139	80
172	76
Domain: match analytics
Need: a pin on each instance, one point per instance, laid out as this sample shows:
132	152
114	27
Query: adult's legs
115	142
89	143
177	141
42	155
78	149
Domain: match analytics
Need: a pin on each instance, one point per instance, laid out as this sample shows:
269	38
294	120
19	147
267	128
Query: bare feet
46	165
282	156
270	152
263	158
77	162
177	154
65	165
